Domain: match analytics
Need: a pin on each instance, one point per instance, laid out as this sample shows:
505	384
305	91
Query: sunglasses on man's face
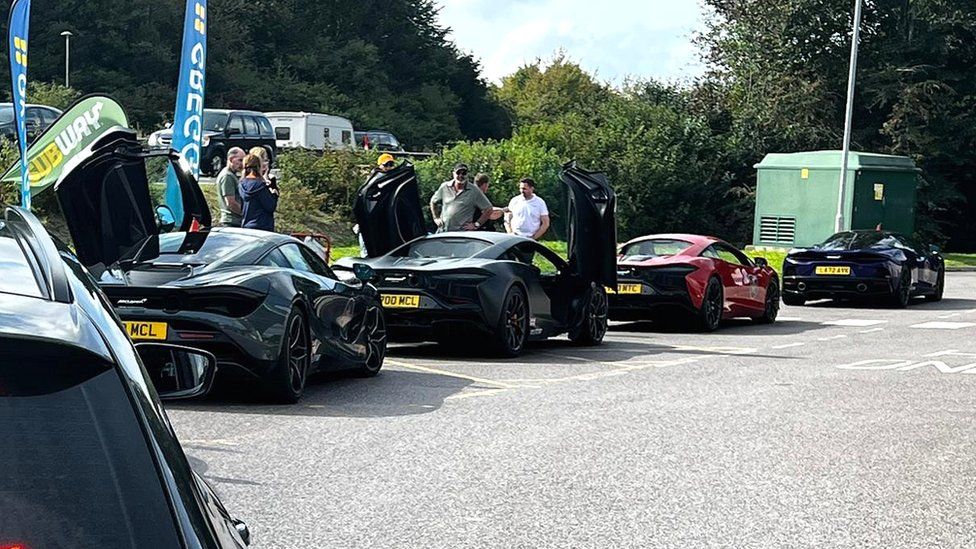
462	172
389	164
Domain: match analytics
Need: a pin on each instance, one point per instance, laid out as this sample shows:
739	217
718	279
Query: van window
236	123
346	137
325	133
77	468
282	133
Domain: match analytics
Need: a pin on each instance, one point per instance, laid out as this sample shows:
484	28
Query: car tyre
593	327
286	382
902	295
373	338
939	288
713	304
512	331
794	300
771	310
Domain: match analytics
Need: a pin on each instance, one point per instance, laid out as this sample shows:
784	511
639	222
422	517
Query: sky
613	38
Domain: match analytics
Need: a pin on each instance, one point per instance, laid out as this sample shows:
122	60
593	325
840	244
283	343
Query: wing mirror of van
165	219
178	372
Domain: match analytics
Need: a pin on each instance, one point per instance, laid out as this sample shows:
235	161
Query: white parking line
944	325
871	331
788	346
951	315
832	338
854	323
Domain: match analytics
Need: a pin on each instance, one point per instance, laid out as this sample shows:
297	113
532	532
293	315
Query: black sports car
90	458
861	264
447	287
263	303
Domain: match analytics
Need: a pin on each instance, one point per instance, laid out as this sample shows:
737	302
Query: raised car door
107	205
592	226
388	210
741	285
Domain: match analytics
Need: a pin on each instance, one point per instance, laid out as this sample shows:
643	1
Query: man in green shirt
227	189
454	203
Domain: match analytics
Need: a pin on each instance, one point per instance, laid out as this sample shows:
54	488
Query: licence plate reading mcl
400	301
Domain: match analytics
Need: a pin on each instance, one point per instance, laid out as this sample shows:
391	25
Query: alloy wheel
298	357
772	301
597	312
374	338
713	304
515	321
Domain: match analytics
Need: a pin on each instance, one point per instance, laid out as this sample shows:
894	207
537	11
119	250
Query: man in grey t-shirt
454	203
231	213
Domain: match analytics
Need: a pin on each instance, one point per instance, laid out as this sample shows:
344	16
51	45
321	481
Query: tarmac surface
840	425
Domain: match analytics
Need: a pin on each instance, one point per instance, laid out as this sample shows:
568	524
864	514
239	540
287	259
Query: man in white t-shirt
527	214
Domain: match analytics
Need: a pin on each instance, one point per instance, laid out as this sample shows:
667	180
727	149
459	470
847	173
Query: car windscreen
214	121
444	248
77	470
202	248
860	241
657	247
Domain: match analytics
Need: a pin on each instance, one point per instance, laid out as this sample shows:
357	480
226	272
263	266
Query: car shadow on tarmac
947	304
738	326
394	392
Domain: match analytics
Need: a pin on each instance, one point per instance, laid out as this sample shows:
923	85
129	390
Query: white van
311	131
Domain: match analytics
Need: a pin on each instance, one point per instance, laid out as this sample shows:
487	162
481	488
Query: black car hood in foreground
104	194
388	209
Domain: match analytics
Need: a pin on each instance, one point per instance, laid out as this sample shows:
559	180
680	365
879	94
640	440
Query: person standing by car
455	201
528	214
227	187
259	196
482	181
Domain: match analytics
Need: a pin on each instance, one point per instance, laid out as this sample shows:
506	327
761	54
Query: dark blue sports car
858	264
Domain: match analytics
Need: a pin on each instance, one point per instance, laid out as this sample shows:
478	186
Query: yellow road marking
482	380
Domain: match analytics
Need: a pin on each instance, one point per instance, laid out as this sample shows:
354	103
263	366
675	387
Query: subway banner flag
74	131
17	30
188	117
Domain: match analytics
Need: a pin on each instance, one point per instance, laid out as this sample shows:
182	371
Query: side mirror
364	273
933	249
243	531
168	125
178	372
761	262
165	218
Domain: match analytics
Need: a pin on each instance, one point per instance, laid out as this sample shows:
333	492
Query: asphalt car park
839	425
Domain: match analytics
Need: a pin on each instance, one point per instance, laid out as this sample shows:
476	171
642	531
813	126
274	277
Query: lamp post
851	79
67	57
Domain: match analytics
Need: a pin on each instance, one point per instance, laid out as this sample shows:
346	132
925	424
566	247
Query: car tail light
236	303
459	287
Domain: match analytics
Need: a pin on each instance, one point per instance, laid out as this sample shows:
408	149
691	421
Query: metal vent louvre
779	230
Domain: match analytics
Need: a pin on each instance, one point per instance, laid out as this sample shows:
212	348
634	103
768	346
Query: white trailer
311	131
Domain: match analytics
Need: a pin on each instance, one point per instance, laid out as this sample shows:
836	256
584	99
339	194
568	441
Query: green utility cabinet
796	196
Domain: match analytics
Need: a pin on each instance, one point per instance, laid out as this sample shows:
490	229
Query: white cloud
613	38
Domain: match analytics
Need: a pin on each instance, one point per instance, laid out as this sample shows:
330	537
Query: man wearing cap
455	201
385	162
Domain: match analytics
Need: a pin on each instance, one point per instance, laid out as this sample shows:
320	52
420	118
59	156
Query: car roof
56	315
233	111
695	239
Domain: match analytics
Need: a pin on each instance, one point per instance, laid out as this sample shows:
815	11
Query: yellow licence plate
146	330
396	301
628	288
841	271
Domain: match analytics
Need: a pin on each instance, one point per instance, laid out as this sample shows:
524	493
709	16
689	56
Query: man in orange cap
385	162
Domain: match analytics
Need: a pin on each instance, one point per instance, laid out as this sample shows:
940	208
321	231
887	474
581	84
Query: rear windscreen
77	471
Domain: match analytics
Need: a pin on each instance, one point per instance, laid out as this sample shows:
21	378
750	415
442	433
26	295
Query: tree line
680	155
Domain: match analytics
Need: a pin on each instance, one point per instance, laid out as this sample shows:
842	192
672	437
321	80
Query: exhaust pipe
802	286
862	287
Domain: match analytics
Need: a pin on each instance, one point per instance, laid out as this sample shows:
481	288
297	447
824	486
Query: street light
67	57
851	78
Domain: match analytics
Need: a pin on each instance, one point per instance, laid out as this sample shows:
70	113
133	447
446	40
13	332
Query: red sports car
701	276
